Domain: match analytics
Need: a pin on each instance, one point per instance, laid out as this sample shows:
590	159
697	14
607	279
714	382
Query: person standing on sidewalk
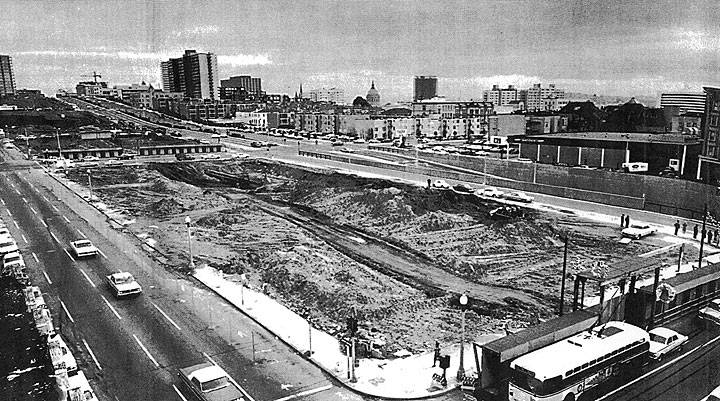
709	237
627	220
717	237
677	227
695	231
684	227
436	358
622	220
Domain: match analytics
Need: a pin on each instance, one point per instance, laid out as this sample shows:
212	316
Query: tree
361	102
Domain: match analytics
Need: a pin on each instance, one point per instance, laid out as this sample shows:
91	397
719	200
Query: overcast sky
608	47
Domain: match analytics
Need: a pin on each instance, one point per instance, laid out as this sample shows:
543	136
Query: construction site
328	245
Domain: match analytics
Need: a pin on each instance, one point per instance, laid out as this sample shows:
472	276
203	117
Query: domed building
373	96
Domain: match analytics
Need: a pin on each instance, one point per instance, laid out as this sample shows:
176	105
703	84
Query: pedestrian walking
695	231
622	220
684	227
627	220
709	237
436	358
677	227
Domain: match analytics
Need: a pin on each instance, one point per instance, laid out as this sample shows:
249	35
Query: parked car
663	341
518	196
4	232
337	143
209	382
82	248
123	284
256	144
347	150
441	184
711	313
669	172
7	245
13	260
638	231
491	192
183	156
359	140
463	188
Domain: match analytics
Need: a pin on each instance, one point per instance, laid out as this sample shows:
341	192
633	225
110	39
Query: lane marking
18	192
166	316
231	379
35	257
91	283
92	355
16	224
11	184
81	233
24	239
157	365
101	253
9	214
652	372
55	207
44	223
304	393
33	210
46	199
66	219
46	277
24	200
52	234
3	202
111	307
182	397
67	312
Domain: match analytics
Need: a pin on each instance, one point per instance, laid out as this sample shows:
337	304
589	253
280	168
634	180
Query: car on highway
256	144
338	143
346	150
518	196
463	188
13	261
7	245
664	341
123	284
82	248
638	231
359	140
442	184
209	382
491	192
711	313
90	159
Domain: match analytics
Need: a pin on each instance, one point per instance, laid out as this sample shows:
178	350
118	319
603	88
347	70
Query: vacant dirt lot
326	243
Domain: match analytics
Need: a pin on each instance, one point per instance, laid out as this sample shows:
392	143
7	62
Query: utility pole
564	273
57	136
702	235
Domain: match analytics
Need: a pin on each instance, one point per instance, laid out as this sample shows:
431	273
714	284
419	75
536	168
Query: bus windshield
535	386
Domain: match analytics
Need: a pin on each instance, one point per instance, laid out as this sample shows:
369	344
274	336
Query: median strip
157	365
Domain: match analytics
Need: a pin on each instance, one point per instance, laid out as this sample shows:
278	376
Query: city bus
582	366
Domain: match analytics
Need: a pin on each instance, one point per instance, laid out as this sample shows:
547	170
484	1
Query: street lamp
187	223
461	369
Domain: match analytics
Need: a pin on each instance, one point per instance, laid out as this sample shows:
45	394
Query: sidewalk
401	378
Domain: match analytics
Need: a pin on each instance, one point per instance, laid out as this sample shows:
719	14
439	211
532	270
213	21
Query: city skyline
608	48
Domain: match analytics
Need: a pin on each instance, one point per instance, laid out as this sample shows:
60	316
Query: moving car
441	184
518	197
638	231
347	150
123	284
338	143
209	382
711	312
83	247
463	188
491	192
663	341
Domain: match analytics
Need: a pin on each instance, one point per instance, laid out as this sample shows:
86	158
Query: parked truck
209	382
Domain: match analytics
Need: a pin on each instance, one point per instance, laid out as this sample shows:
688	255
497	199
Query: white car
7	245
638	231
83	247
491	192
123	284
359	140
518	197
441	184
663	341
4	232
711	312
13	261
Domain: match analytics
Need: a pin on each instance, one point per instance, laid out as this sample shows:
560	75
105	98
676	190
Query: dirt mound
165	207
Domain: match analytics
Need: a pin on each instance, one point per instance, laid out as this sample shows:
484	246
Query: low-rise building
256	119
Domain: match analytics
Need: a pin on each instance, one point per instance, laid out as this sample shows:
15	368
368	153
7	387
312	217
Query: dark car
668	172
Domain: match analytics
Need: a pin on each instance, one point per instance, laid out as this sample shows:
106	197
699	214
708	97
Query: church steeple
372	86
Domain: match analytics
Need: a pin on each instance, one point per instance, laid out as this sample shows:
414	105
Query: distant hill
604	100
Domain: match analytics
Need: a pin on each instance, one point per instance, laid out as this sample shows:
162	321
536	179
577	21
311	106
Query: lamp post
461	369
187	223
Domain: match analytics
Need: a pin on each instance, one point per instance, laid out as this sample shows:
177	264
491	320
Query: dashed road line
81	233
112	308
44	223
87	277
67	312
92	355
66	219
46	277
11	184
182	397
166	316
55	207
157	365
24	239
33	210
52	234
46	199
305	393
18	192
24	200
35	257
16	224
9	214
102	253
69	256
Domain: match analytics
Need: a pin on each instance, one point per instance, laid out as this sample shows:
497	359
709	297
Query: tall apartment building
500	97
246	82
688	102
7	77
195	74
331	95
709	161
425	87
534	98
